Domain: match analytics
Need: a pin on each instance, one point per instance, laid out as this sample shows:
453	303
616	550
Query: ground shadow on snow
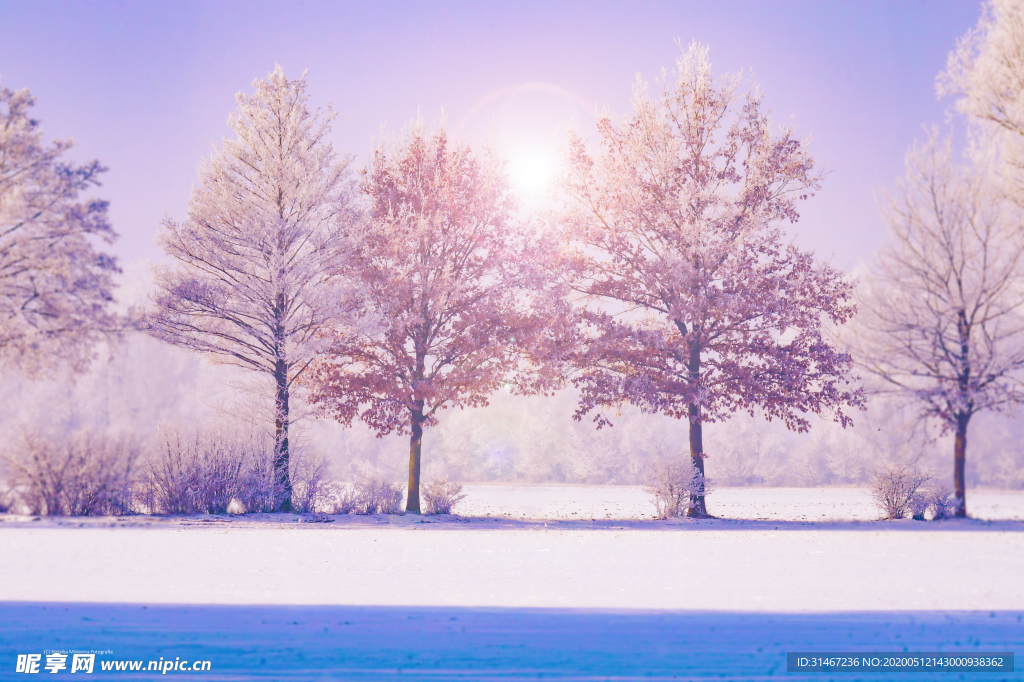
486	523
443	643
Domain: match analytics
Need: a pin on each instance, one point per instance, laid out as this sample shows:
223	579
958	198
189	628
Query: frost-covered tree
452	279
942	319
55	287
986	70
986	75
258	257
693	305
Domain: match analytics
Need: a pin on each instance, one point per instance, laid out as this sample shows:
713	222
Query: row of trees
663	280
660	278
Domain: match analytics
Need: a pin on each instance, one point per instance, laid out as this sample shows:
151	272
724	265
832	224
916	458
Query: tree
943	317
260	254
986	74
55	288
451	279
692	305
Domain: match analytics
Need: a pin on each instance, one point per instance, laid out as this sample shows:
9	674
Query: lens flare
532	171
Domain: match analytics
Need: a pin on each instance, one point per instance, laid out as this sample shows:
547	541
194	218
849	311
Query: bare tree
55	288
259	254
943	314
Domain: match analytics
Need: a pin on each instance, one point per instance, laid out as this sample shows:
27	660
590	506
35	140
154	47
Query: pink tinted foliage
692	302
455	295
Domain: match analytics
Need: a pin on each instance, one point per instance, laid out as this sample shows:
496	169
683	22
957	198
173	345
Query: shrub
368	496
942	503
258	488
673	482
309	493
214	472
897	490
440	496
197	474
918	505
378	497
203	473
81	474
337	498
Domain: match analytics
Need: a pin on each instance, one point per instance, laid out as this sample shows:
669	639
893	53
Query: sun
529	122
532	171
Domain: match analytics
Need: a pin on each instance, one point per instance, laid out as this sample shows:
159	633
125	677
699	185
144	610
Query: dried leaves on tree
453	282
694	306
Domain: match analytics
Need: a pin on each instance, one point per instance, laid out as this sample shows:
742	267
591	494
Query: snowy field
772	504
564	583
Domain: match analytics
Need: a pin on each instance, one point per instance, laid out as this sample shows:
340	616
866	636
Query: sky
146	87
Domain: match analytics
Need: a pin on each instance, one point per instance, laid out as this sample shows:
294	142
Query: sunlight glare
532	171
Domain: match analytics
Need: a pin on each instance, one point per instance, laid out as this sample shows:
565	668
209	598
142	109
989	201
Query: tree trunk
698	508
282	477
959	458
412	505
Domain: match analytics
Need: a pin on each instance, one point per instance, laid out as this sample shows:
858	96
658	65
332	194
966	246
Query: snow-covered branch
55	288
260	259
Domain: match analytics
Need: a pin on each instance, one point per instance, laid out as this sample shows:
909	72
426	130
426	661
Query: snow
631	502
438	644
537	588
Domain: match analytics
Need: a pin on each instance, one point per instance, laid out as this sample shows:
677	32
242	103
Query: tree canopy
259	257
693	304
56	288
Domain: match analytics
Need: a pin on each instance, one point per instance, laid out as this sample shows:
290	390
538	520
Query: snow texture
530	591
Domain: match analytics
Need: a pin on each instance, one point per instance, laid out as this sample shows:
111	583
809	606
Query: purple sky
146	87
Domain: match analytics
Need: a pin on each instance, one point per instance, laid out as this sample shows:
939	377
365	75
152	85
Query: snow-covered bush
195	474
918	505
942	503
308	485
81	474
339	498
202	473
673	482
897	490
440	496
209	471
6	498
258	487
379	497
